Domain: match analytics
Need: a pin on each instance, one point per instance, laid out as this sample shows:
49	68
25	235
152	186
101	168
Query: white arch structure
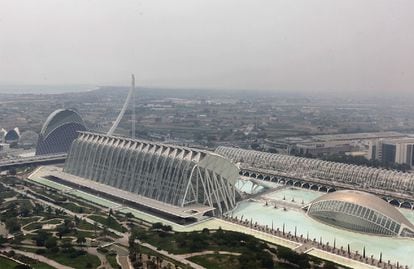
300	167
131	95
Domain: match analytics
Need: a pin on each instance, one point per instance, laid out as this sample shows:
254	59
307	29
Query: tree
67	246
129	215
157	226
41	238
247	260
11	211
77	219
95	227
134	249
12	171
62	230
58	211
2	240
24	210
49	210
51	242
38	208
266	260
13	225
105	230
81	240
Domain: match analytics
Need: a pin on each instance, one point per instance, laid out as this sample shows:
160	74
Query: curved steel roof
366	200
58	118
300	168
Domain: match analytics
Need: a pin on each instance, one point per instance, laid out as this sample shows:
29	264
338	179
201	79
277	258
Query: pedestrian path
40	258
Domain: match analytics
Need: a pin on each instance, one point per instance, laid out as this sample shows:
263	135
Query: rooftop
190	211
366	200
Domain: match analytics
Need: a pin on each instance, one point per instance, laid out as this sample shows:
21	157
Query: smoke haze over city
295	46
206	134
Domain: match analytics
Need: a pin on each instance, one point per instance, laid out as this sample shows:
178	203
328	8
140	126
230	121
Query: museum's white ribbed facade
174	175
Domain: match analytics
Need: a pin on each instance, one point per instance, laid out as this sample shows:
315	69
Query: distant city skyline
297	46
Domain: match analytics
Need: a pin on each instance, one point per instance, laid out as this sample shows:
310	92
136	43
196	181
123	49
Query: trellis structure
366	177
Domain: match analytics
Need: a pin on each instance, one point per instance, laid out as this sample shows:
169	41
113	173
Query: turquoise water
409	214
394	249
298	195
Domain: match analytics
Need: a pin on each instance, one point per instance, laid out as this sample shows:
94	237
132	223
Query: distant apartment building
400	151
334	144
326	148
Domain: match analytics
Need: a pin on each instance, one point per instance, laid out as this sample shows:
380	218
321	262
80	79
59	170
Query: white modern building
400	151
59	131
169	179
361	212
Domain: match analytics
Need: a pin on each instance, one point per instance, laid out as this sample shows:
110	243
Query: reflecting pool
394	249
296	194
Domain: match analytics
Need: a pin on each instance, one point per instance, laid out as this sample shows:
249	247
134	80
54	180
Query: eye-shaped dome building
59	131
12	136
361	212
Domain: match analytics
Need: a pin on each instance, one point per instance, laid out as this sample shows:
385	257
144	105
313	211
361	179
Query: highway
38	160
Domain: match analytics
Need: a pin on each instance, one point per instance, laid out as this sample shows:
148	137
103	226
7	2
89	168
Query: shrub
40	251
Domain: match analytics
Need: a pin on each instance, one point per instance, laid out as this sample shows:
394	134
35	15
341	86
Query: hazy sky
303	45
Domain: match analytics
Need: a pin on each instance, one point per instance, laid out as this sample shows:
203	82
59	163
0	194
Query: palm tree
81	240
95	226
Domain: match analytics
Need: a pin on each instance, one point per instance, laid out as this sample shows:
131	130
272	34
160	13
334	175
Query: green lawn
36	225
21	202
6	194
7	264
180	243
86	234
33	226
79	262
9	180
145	250
86	226
53	221
24	221
216	261
110	223
41	266
112	260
